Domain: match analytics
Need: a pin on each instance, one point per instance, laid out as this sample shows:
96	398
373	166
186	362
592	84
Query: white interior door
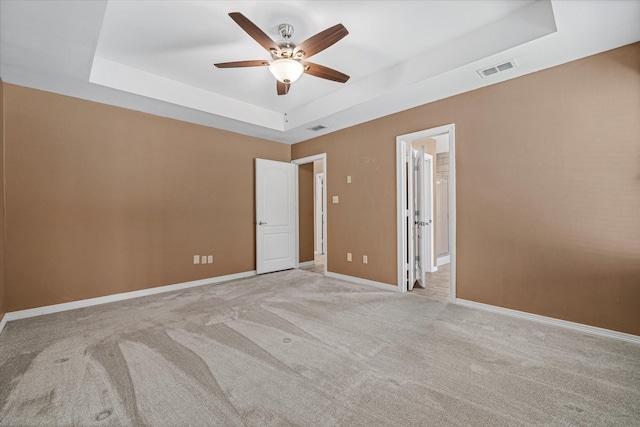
411	210
276	203
420	214
420	222
428	263
319	213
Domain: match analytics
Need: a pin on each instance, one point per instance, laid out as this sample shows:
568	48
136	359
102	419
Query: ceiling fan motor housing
286	45
286	49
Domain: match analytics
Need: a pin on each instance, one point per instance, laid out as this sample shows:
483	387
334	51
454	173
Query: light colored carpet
295	348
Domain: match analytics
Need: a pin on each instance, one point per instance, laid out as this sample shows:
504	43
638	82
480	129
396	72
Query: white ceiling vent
317	128
495	69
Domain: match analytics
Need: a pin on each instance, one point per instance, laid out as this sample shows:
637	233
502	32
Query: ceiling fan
289	60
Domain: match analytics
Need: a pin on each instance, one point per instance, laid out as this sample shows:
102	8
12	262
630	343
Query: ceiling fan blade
320	41
324	72
256	33
282	88
237	64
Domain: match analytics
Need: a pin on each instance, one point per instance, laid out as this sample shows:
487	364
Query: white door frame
318	213
302	161
401	145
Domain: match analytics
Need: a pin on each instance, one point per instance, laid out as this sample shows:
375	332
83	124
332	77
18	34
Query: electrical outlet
365	259
348	256
204	259
336	199
210	259
196	259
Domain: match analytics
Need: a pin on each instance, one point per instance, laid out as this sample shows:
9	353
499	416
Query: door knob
262	223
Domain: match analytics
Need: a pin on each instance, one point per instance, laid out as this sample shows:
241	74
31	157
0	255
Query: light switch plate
196	259
365	259
335	199
348	179
204	259
210	259
348	256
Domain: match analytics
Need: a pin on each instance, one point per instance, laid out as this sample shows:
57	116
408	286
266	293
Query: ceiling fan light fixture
287	56
286	70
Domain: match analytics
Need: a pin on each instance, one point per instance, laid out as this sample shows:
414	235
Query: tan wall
305	211
363	221
102	200
2	236
542	226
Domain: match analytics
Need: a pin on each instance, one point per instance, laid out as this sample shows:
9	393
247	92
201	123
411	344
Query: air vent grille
505	66
488	71
317	128
495	69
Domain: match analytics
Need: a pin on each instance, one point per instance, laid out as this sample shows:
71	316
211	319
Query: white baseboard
306	264
593	330
442	260
3	322
38	311
360	281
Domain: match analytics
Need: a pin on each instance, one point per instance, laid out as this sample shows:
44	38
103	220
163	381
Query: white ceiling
157	56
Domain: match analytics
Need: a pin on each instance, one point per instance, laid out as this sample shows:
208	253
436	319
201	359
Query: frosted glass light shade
286	70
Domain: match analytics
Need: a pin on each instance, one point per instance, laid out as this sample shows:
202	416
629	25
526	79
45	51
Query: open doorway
439	281
312	229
